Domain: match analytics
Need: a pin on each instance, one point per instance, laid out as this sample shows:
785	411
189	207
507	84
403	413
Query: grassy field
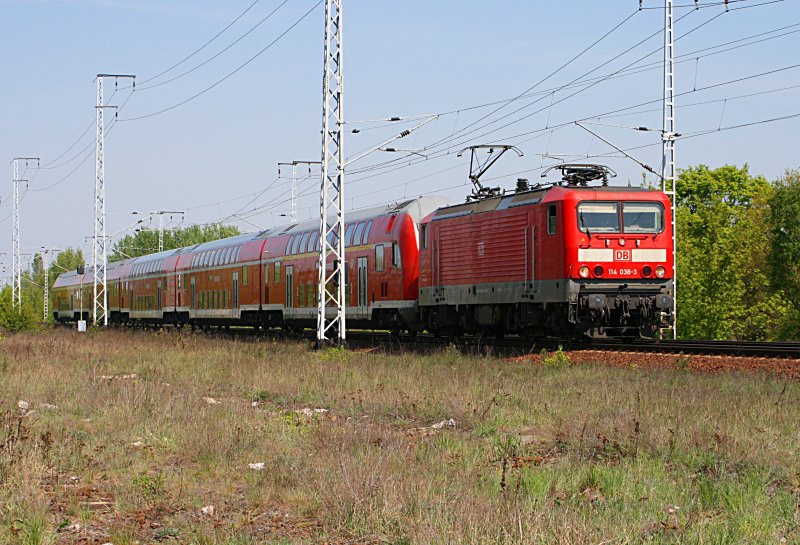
152	437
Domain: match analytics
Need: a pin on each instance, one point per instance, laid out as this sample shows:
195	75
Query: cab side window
552	220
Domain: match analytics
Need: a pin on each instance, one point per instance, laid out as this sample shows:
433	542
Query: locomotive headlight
583	271
660	271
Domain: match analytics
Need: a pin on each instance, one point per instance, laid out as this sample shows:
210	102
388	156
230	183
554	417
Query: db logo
480	249
622	255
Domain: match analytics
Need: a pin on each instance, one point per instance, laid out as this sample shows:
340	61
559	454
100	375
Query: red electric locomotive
560	259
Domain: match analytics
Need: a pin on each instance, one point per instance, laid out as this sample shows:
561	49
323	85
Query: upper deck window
359	234
304	243
365	237
642	217
598	217
348	235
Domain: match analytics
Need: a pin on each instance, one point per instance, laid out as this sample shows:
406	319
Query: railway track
519	347
514	346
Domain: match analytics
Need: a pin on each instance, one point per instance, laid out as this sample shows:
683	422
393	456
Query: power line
437	155
551	74
230	74
206	44
205	62
448	140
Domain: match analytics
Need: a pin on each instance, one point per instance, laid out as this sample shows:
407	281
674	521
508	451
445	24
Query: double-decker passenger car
381	273
269	278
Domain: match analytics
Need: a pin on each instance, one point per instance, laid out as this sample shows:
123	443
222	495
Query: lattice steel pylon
99	241
668	136
331	287
45	268
16	265
294	165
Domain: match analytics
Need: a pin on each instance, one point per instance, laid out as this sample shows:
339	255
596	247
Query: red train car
381	275
563	259
72	295
219	282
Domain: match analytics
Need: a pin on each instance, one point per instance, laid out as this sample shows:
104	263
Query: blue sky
215	154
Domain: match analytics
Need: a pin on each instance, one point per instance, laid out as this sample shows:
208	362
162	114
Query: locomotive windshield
637	217
598	217
643	217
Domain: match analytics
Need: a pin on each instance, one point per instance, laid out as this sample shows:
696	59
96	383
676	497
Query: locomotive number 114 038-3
623	272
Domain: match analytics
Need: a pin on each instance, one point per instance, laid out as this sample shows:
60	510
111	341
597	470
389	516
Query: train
568	259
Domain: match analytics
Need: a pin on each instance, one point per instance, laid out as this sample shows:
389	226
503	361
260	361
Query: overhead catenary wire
448	140
440	154
393	164
145	87
230	74
202	47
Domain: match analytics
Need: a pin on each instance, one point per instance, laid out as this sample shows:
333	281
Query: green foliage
336	354
784	259
166	532
556	359
30	314
22	319
32	529
724	245
145	241
148	487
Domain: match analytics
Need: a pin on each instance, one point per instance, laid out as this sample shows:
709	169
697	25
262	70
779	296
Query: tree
30	315
784	260
724	246
12	319
145	241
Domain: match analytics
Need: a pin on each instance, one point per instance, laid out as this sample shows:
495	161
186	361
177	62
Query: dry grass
540	454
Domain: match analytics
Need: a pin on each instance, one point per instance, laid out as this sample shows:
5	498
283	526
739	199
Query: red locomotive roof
546	194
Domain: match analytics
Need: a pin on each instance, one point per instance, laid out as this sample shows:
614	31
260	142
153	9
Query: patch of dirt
785	368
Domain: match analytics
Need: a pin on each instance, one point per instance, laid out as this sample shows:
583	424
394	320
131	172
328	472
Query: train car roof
416	206
522	198
219	243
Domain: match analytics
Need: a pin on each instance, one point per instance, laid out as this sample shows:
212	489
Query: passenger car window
348	235
365	237
359	233
423	235
289	245
277	272
598	217
312	240
642	217
379	258
396	254
552	220
304	243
